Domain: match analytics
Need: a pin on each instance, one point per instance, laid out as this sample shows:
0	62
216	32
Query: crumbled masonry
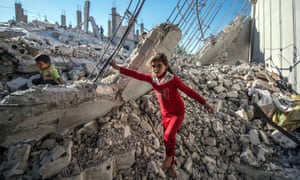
112	129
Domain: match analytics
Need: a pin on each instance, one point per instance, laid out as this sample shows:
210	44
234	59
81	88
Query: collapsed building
114	33
111	129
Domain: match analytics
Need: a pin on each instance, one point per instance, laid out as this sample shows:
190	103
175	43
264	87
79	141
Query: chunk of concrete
164	39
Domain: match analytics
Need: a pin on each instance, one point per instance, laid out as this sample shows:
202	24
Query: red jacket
166	90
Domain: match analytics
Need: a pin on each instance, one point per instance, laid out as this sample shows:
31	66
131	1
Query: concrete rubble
229	45
113	130
79	101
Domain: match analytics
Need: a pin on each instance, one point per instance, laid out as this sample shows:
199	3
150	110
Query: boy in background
48	71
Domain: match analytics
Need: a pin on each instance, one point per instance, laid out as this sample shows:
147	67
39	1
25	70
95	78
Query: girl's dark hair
163	58
43	57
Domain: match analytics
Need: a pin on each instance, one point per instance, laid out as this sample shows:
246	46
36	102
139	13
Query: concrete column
79	19
63	20
113	19
86	15
136	37
252	31
19	12
25	19
142	27
109	30
132	31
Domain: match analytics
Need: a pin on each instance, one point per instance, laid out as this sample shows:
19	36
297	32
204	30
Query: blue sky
153	12
212	16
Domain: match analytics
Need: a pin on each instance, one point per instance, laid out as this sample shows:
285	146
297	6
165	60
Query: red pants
171	125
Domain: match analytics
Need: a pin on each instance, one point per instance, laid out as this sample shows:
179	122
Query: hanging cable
205	13
110	41
130	25
177	4
183	16
190	30
224	17
179	11
188	19
198	19
210	18
214	15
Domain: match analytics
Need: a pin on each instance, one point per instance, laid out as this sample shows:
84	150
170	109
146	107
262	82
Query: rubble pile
126	143
112	129
39	110
69	50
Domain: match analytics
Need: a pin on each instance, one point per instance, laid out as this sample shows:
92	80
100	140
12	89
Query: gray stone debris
87	131
75	102
127	142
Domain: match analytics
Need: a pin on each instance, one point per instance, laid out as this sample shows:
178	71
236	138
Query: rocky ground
234	143
126	143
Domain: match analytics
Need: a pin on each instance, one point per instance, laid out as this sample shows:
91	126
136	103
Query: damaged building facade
275	37
113	33
271	36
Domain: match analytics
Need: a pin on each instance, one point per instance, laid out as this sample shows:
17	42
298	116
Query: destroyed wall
55	109
163	41
124	141
127	142
276	37
229	46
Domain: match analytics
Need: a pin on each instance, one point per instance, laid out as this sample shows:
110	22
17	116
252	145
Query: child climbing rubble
166	86
48	72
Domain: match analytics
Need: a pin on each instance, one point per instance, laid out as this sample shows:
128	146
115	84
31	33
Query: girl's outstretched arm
131	72
193	94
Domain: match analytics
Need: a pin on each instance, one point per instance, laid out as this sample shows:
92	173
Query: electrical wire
130	25
110	41
183	16
179	11
171	14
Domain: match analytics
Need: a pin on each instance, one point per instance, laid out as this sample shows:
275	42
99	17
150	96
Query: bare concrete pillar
25	19
109	30
86	15
19	12
63	20
20	17
136	37
133	36
113	19
133	29
142	27
79	19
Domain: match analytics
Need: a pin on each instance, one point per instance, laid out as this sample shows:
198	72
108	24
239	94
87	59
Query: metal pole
252	30
295	45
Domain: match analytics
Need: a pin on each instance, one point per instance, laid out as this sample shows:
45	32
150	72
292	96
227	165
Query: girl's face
158	68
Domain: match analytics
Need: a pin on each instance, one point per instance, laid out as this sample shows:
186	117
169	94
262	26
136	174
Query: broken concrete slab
225	48
162	38
106	170
52	109
54	166
57	108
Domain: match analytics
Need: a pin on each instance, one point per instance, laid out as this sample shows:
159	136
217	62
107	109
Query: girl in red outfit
165	85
